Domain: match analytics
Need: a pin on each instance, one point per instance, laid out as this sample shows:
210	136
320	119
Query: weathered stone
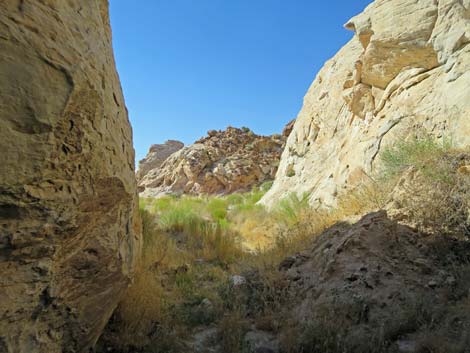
156	156
221	163
405	72
288	128
69	231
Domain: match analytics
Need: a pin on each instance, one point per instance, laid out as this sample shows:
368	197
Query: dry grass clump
184	263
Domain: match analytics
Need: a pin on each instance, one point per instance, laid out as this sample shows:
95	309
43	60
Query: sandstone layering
405	72
69	233
221	163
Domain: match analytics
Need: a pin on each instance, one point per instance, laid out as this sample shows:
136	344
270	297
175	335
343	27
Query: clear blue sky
188	66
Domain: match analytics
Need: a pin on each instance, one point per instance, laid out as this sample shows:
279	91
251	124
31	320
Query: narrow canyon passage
345	231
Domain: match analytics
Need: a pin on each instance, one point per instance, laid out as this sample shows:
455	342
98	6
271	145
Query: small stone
206	303
237	280
450	280
287	263
406	346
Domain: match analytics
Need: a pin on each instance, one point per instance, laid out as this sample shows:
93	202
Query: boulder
377	286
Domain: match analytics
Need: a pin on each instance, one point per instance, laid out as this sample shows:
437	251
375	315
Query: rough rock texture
221	163
156	156
406	71
380	284
288	128
69	231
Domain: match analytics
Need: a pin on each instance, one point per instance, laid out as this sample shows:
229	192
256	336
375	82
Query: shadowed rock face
406	71
69	231
378	278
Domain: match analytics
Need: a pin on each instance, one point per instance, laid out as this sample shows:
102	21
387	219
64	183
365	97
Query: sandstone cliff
221	163
405	72
156	155
68	224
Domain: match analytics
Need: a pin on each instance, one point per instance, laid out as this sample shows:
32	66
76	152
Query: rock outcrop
69	231
405	72
221	163
156	156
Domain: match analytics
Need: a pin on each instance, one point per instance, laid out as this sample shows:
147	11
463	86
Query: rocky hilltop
220	163
405	72
69	233
156	155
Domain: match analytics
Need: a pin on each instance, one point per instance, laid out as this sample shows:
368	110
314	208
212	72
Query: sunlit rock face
405	72
69	234
156	155
223	162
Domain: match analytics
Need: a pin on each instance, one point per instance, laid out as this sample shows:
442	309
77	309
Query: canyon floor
387	270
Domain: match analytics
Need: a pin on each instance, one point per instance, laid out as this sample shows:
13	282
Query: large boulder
405	72
220	163
69	232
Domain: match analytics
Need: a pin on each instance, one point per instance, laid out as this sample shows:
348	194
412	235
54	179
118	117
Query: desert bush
429	190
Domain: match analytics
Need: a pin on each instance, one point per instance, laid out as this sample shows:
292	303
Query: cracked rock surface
223	162
405	72
69	233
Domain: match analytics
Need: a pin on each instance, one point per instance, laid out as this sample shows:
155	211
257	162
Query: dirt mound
378	286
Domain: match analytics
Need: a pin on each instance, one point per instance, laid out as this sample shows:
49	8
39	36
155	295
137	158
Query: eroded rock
156	155
221	163
69	233
405	72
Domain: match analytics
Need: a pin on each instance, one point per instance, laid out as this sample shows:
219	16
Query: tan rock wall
405	72
69	231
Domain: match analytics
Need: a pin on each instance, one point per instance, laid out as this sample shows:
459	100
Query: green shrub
161	204
217	208
430	191
291	208
418	153
266	186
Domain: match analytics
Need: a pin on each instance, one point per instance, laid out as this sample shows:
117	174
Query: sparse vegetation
429	189
193	245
